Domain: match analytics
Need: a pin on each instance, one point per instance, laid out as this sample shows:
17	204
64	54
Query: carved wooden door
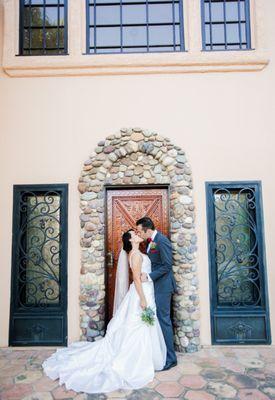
124	208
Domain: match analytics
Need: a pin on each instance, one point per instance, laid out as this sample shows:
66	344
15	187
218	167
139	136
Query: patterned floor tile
192	381
213	373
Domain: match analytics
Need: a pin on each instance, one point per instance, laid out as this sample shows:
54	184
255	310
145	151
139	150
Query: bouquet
148	316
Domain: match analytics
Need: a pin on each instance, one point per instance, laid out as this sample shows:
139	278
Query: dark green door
237	266
38	311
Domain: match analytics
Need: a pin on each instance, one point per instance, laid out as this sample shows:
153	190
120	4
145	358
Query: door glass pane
236	247
39	250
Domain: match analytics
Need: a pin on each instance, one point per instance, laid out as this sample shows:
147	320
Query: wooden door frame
108	187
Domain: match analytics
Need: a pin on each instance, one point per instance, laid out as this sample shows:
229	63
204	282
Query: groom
159	250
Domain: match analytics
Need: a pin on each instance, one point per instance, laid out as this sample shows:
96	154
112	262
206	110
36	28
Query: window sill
125	64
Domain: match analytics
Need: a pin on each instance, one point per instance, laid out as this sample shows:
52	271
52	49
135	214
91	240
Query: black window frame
122	3
224	46
22	51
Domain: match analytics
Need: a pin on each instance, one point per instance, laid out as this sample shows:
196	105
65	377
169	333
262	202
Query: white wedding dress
125	358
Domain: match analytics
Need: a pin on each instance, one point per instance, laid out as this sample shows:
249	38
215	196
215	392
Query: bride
131	350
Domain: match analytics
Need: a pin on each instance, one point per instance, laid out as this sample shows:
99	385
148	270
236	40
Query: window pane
37	16
207	33
26	17
108	15
51	16
160	35
92	37
61	16
134	36
233	46
232	11
36	38
242	9
103	1
206	12
217	12
134	14
108	50
232	32
163	48
26	41
218	33
52	38
91	15
177	34
243	32
159	13
176	13
136	50
108	37
53	51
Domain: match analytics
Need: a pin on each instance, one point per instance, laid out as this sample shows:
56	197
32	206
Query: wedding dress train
125	358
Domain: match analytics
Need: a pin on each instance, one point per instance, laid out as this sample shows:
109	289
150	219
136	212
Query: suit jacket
161	259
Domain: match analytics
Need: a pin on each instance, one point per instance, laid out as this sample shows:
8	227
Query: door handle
110	260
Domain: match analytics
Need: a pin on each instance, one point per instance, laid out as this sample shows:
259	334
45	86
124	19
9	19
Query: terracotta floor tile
169	389
212	373
192	381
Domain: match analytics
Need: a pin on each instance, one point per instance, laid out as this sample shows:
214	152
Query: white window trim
193	60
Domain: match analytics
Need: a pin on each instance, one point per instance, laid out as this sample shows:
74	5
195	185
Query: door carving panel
124	208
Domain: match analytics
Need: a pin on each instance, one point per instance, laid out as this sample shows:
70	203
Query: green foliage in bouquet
148	316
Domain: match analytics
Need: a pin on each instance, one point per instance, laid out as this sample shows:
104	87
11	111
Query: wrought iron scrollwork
236	247
39	249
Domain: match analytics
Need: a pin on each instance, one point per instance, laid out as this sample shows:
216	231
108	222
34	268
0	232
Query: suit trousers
163	303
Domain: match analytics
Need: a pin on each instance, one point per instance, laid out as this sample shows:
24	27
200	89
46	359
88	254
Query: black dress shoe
169	365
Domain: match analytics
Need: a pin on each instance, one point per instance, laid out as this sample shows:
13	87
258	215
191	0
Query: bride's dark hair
127	245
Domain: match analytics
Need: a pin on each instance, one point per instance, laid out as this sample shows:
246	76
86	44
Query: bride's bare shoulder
135	257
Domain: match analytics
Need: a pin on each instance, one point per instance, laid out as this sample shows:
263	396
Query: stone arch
120	159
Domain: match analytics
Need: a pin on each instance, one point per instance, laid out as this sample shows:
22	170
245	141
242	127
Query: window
38	311
43	27
125	26
225	25
237	266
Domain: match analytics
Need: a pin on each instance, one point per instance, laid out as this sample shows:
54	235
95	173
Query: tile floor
239	373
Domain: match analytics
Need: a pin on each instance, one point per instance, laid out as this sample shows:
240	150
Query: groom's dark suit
164	284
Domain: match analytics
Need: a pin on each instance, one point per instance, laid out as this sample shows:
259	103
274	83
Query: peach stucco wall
224	121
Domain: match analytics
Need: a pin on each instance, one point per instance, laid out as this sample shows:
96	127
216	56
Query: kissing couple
132	349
